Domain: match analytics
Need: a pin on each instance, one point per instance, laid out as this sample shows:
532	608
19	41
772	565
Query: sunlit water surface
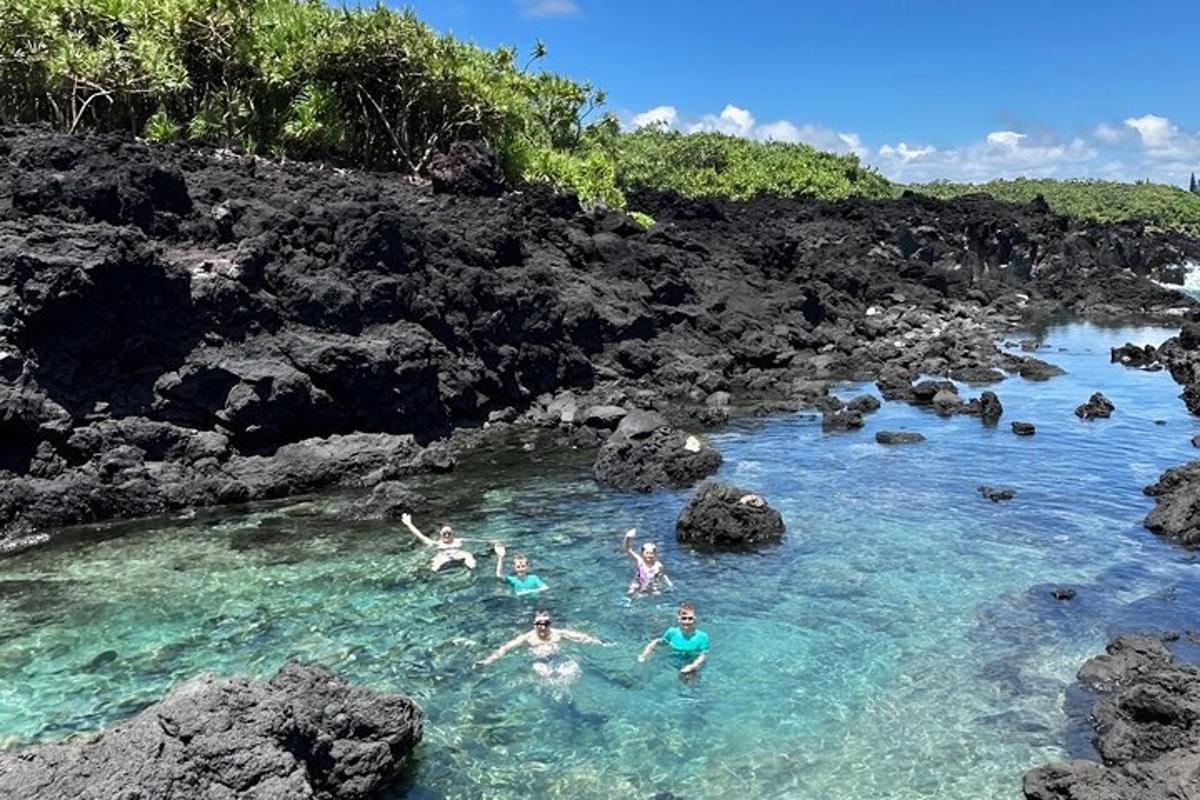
900	643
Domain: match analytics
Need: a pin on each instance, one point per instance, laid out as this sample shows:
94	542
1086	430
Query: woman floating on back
449	546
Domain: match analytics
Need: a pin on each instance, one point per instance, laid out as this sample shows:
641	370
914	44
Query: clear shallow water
901	642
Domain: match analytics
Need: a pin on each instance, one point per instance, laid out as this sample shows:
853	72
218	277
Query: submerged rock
997	493
721	515
899	437
1023	428
1176	512
1097	406
303	734
1146	730
660	458
1063	593
389	500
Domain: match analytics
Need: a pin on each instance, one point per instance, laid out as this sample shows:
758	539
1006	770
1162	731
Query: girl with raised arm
649	573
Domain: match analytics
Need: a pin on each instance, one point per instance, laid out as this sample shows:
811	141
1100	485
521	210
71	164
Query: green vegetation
373	88
379	89
1101	201
700	164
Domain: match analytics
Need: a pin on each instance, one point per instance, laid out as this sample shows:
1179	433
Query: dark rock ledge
181	329
304	735
1147	730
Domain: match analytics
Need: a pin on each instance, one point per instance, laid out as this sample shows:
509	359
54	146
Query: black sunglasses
542	623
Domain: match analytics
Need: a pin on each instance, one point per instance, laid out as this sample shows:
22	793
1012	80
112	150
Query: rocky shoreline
182	327
303	734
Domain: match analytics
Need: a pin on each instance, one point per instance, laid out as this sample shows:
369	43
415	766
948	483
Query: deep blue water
900	643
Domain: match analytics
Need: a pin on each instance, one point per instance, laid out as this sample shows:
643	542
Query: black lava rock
661	458
1023	428
720	515
1097	406
997	493
304	734
898	437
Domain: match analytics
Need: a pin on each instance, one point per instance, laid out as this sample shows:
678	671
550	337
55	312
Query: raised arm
627	545
406	518
503	649
576	636
500	551
648	649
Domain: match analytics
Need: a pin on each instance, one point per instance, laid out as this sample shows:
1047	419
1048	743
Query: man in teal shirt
522	582
684	640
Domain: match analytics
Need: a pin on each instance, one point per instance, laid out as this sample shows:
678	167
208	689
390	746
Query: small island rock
721	515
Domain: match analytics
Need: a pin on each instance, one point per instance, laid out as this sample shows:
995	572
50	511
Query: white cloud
905	152
736	121
667	116
1164	140
1109	134
732	120
1145	147
548	8
1001	154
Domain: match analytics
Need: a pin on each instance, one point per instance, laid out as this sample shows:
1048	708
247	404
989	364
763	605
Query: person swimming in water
543	642
522	582
449	546
688	643
649	572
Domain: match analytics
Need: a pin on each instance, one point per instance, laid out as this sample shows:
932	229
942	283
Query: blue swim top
530	583
695	644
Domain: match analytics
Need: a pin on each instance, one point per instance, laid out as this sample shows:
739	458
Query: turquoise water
900	643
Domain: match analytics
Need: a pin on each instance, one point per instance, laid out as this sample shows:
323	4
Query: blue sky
921	89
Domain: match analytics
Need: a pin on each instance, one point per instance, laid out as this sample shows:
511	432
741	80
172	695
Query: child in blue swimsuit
522	582
690	644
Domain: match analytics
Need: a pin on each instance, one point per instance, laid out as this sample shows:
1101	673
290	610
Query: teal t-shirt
694	645
531	583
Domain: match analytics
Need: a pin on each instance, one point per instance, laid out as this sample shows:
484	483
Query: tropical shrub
1101	201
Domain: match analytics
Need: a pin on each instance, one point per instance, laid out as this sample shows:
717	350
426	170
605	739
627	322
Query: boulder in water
899	437
1023	428
1177	510
990	408
1097	407
1133	356
997	493
303	734
663	457
720	515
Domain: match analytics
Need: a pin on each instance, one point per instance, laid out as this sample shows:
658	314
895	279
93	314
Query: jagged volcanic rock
303	734
659	458
1097	407
721	515
1147	730
180	326
1176	512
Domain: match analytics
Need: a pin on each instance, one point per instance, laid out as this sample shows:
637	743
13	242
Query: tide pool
900	643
